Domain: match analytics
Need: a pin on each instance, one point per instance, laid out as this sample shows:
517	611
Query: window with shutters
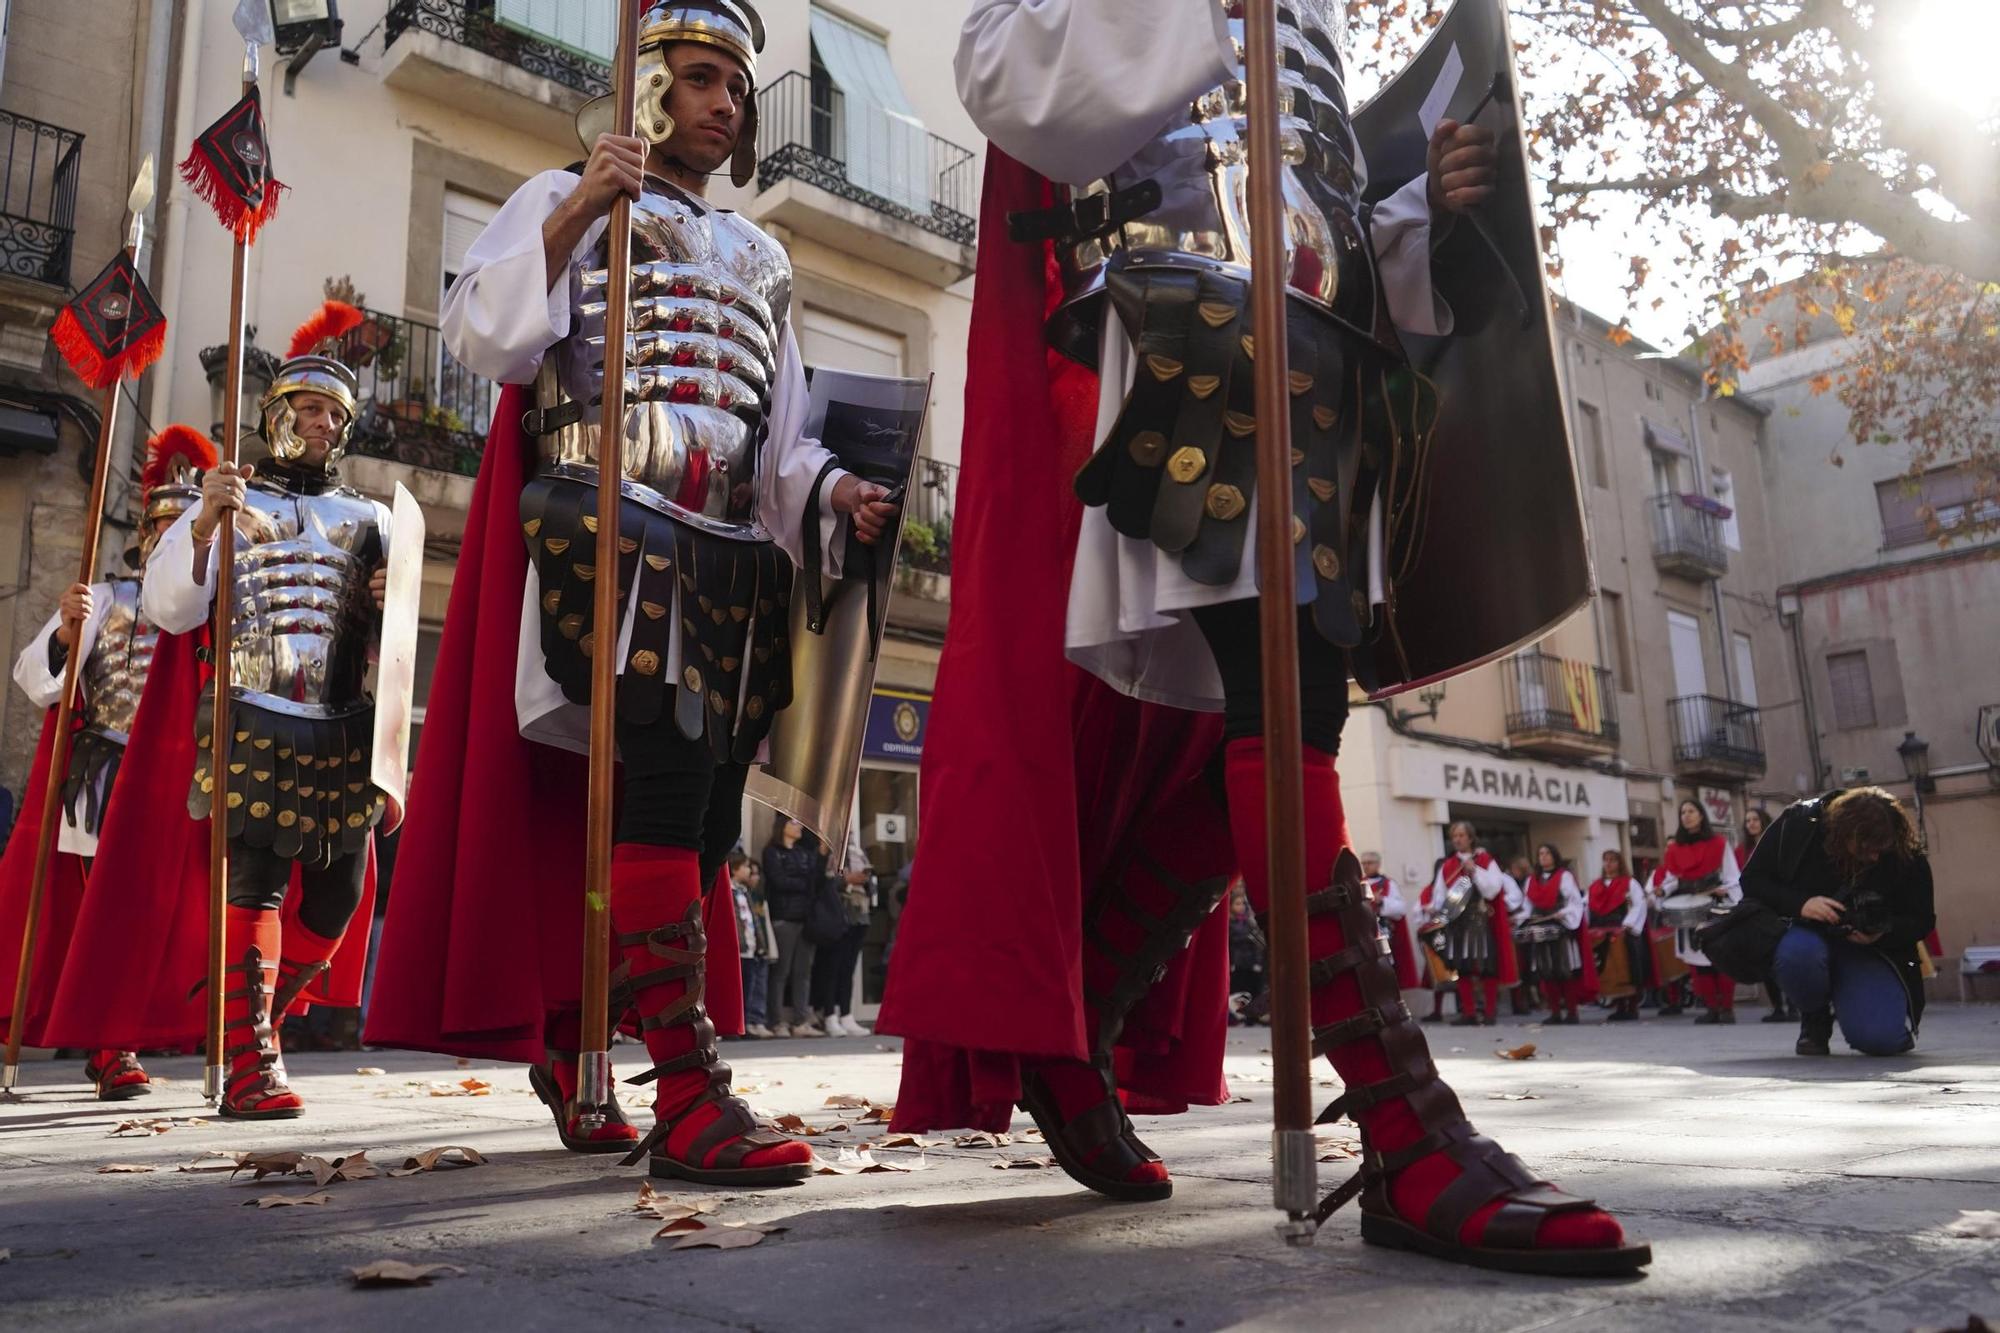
1620	635
587	27
465	216
1853	690
1590	443
1933	505
1724	489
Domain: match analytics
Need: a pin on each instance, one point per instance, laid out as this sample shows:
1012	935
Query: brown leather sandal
683	947
1098	1148
542	1079
105	1077
248	1088
1488	1173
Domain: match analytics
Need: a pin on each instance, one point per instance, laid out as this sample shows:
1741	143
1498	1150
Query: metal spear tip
141	197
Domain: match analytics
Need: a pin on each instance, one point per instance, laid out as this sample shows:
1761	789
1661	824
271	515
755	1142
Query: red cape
485	928
1024	798
59	902
141	938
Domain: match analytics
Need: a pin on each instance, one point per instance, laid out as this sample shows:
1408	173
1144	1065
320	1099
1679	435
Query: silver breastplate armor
115	672
1202	168
303	612
709	297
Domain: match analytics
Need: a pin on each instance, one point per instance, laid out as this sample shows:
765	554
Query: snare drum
1538	932
1687	911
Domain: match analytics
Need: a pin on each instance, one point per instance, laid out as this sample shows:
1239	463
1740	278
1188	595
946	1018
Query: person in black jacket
793	867
1847	868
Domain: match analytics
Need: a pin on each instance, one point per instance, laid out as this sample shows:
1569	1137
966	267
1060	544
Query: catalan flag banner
1586	705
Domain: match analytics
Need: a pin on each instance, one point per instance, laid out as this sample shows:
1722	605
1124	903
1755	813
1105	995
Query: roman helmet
171	480
312	366
731	25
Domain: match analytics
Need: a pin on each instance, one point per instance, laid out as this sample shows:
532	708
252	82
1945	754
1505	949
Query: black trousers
676	795
1236	639
833	973
328	894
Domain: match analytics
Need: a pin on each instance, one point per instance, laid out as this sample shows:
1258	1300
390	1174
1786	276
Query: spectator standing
852	886
792	871
1700	861
749	946
1847	867
1246	958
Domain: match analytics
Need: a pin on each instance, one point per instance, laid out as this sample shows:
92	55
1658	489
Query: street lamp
303	28
1430	696
1915	753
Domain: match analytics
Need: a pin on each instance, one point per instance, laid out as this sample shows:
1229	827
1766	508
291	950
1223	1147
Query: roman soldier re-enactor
104	622
1478	942
1393	910
722	495
1139	107
308	588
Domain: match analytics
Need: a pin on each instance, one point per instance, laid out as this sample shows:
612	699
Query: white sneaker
757	1030
834	1027
853	1025
780	1030
807	1030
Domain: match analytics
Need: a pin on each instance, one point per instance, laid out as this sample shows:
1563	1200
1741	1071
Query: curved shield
873	425
1501	447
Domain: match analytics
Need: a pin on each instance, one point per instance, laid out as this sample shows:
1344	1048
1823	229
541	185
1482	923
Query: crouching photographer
1848	872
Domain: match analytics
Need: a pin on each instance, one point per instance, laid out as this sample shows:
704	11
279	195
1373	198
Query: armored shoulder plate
114	675
710	294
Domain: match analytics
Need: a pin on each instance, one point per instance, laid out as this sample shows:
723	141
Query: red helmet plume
330	323
176	450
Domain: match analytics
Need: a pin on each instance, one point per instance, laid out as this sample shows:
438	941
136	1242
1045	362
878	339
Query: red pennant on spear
113	328
230	167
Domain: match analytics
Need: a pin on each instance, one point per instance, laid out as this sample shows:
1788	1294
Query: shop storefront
1403	793
890	750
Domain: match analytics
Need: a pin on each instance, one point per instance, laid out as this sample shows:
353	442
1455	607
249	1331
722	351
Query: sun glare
1947	50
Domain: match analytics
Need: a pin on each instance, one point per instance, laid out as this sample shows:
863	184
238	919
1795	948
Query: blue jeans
755	972
1858	983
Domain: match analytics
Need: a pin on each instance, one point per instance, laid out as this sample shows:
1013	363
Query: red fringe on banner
205	179
101	372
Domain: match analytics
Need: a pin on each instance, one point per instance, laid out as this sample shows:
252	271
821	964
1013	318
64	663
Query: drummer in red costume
1090	90
1394	911
1555	955
1477	943
1615	917
1700	864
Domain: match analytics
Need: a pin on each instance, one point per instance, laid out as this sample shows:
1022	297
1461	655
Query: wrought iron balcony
927	518
474	25
38	199
1687	540
872	185
1557	705
1716	738
419	407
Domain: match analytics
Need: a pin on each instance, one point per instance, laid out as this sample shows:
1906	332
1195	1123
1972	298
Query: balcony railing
473	24
1559	703
1686	540
927	517
38	198
420	407
805	134
1716	736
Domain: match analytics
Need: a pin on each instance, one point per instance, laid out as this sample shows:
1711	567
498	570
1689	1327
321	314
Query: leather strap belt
1090	215
549	420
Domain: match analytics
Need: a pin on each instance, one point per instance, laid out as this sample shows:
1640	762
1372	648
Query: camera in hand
1867	913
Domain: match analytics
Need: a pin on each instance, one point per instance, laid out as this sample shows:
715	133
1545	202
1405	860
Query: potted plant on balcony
924	569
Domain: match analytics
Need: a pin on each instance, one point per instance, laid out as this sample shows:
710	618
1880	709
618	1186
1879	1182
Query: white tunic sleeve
1074	88
1400	228
1393	906
1571	907
791	463
170	597
1732	878
31	668
1635	911
502	314
1493	882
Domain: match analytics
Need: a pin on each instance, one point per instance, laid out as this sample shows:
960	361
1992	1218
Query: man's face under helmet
732	27
312	367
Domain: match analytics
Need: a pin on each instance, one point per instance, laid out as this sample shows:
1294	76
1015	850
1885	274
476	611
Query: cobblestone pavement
1777	1192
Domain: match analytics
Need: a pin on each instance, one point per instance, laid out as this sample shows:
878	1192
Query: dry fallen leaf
846	1101
1035	1135
371	1071
980	1138
655	1204
878	1115
465	1087
908	1141
396	1273
462	1062
432	1159
354	1166
1522	1052
725	1236
289	1200
263	1163
1512	1097
122	1169
1983	1224
139	1129
1022	1163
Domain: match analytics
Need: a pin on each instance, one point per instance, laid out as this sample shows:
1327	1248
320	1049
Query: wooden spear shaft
45	840
220	640
593	1074
1295	1175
